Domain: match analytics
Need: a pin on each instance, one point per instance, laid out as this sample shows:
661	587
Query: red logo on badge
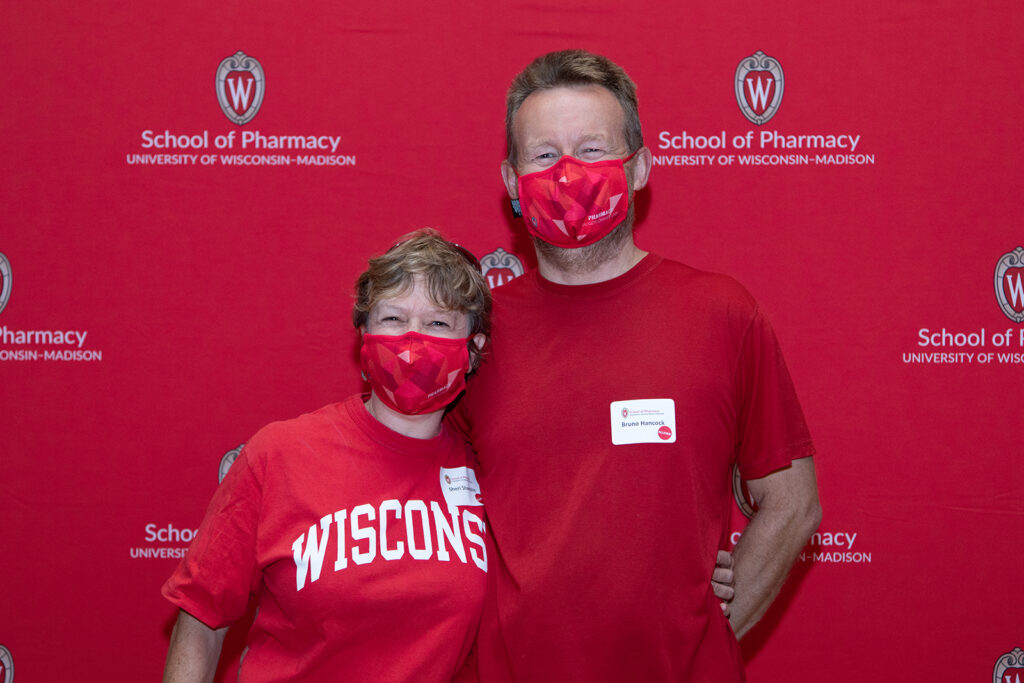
665	433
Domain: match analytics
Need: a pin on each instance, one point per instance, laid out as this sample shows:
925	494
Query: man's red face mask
574	203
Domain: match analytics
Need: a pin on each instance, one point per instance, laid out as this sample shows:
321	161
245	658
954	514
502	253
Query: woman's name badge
645	420
460	487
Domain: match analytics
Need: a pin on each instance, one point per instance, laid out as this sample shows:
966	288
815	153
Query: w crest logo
5	286
240	87
759	83
1009	667
499	267
6	666
1009	282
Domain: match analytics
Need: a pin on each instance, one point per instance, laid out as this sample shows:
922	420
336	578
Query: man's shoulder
675	278
658	277
517	296
516	287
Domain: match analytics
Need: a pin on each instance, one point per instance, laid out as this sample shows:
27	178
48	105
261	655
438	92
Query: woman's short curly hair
453	280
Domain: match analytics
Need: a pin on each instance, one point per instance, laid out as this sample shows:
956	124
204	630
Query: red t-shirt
605	551
365	548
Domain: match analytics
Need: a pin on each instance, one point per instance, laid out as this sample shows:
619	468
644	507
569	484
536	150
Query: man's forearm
788	513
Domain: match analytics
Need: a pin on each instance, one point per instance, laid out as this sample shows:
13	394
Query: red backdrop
153	315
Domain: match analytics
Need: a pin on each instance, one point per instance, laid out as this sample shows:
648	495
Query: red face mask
414	373
574	203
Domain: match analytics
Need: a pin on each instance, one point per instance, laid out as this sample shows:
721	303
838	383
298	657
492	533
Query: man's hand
723	581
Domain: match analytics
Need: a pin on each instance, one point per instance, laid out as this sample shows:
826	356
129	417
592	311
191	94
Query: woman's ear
479	340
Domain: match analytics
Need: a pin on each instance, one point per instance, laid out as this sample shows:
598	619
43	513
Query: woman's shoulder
281	436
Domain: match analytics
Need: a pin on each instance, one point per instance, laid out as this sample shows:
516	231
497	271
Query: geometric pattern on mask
574	203
415	373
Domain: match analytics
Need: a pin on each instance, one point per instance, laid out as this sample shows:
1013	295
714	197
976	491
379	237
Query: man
621	389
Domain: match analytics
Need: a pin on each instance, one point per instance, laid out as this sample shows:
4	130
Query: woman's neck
425	426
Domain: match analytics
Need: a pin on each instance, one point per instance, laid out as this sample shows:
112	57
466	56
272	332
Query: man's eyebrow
579	138
536	142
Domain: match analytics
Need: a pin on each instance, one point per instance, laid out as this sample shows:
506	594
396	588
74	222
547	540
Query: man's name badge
645	420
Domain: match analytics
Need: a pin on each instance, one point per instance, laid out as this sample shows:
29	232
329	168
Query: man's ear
640	168
508	174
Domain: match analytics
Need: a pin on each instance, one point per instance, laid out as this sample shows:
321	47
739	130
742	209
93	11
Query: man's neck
608	268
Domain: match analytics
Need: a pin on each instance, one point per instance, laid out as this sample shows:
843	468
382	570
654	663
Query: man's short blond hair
454	282
573	68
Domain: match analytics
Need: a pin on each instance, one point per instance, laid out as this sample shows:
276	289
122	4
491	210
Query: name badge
645	420
459	486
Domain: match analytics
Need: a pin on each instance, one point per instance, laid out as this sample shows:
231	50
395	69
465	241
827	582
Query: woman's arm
194	651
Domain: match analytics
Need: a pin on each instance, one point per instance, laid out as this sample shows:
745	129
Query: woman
358	527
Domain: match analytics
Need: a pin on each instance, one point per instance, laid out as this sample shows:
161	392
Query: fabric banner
191	189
